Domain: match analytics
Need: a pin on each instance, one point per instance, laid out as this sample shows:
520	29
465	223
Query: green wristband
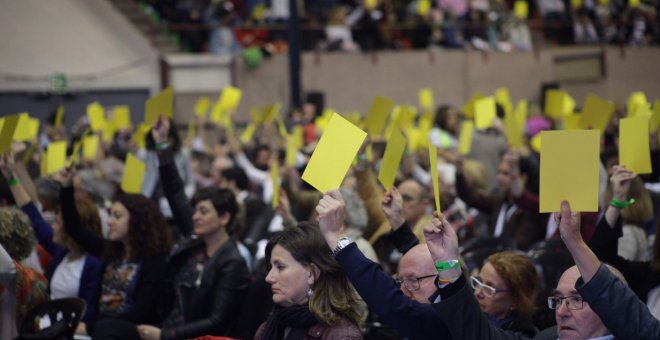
162	146
447	265
14	181
622	204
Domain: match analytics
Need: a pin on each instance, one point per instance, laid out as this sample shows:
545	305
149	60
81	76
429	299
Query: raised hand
569	224
7	165
65	176
160	130
330	212
441	239
393	208
620	181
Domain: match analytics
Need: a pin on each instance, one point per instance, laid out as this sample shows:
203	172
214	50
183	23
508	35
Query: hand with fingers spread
330	212
393	208
620	181
160	130
569	224
442	241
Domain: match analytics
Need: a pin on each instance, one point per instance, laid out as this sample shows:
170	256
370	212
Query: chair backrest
55	319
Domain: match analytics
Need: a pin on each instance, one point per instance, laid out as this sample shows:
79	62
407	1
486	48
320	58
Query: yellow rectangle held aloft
56	159
433	164
634	151
134	171
569	169
334	154
394	150
377	115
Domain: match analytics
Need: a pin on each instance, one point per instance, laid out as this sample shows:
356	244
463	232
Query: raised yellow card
634	3
404	116
596	113
96	116
433	165
654	122
465	138
521	9
423	7
426	99
27	128
389	167
230	98
90	147
121	117
202	106
572	122
377	115
575	4
333	155
635	99
134	171
75	155
468	108
569	169
642	111
248	133
160	105
56	159
270	113
535	143
59	116
7	133
275	178
370	4
503	98
558	103
485	112
634	151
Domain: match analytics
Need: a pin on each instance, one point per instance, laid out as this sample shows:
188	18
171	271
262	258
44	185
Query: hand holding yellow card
394	150
90	147
56	159
485	111
27	128
569	169
122	117
7	132
596	113
377	115
230	98
636	99
433	164
160	105
634	151
202	106
334	154
96	116
426	99
134	171
558	103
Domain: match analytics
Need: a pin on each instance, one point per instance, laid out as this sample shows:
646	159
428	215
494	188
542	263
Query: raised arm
401	236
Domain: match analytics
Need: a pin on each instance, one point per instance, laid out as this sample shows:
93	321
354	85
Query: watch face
343	242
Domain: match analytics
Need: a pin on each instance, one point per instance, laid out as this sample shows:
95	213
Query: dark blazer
90	278
210	307
526	225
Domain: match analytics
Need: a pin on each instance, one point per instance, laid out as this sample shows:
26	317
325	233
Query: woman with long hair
313	296
134	256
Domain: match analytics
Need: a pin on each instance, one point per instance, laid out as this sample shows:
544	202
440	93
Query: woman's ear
224	218
314	273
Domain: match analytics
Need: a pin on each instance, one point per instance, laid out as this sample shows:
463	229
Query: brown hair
520	277
89	219
642	211
16	234
148	232
333	295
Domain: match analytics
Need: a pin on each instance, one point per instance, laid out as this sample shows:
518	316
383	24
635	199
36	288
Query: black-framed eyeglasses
412	284
476	283
573	302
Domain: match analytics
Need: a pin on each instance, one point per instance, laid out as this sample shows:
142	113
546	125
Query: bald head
415	264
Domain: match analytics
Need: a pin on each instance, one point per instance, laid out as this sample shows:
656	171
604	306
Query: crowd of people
204	251
228	26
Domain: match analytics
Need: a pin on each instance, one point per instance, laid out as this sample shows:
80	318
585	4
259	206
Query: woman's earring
310	292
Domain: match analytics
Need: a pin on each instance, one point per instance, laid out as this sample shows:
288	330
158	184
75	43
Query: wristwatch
341	244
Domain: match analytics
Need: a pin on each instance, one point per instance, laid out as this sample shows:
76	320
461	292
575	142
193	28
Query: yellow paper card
191	131
520	114
433	165
413	136
521	9
216	113
572	122
90	147
134	171
642	111
596	113
333	155
56	159
396	145
140	135
423	7
485	112
247	134
377	115
96	116
634	152
202	106
465	138
503	98
635	99
275	178
160	105
575	4
468	108
75	155
634	3
370	4
230	98
535	142
23	128
558	103
426	99
569	169
271	112
291	151
7	132
514	125
404	116
122	117
59	116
